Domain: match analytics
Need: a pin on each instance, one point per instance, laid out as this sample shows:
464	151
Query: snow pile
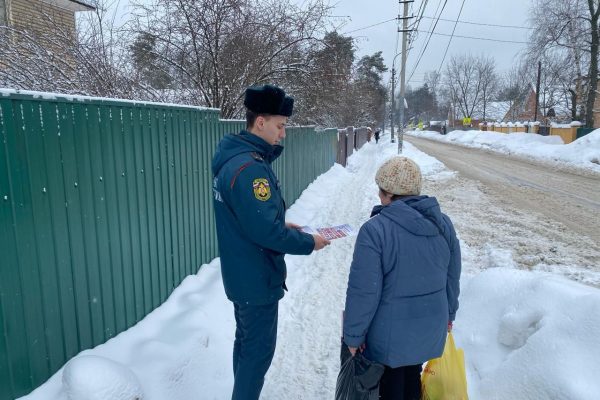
586	148
527	335
98	378
583	152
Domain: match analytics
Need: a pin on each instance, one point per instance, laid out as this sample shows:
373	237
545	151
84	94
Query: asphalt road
570	198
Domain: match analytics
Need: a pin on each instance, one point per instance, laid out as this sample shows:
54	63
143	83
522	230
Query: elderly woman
404	281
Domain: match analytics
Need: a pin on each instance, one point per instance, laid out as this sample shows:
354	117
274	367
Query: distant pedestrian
404	281
253	235
377	133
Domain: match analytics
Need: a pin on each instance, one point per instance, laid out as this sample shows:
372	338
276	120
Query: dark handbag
358	378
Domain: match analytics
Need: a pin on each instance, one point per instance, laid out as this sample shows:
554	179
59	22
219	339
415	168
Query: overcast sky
350	16
362	13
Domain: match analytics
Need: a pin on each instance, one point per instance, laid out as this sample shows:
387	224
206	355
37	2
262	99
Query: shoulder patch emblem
262	190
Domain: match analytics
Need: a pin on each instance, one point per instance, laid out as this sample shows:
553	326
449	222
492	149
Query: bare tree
514	87
214	49
486	74
464	83
56	58
433	80
568	29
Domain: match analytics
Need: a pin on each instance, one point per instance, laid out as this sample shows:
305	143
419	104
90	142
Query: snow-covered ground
582	153
526	334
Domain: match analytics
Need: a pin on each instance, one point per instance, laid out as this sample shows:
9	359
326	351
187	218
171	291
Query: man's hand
320	241
292	225
449	326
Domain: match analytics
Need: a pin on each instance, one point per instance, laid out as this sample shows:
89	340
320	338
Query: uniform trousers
254	347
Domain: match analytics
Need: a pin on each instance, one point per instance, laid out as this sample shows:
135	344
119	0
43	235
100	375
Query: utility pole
393	100
537	91
384	117
403	71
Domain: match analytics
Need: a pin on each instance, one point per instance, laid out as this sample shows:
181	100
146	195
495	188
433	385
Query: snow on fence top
6	92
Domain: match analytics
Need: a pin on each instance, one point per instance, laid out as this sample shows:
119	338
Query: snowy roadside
584	153
514	325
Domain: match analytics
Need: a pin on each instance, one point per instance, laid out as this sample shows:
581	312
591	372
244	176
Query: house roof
494	111
73	5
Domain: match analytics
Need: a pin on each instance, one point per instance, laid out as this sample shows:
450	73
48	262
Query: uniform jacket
404	283
250	218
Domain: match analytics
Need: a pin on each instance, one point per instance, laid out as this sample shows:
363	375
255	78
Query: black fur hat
268	99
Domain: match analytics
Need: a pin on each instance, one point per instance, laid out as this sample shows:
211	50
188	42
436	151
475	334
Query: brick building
41	33
42	17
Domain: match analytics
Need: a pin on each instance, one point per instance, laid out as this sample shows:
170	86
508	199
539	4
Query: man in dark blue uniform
253	235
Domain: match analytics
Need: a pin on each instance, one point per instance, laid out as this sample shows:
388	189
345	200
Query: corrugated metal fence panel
307	155
105	207
100	218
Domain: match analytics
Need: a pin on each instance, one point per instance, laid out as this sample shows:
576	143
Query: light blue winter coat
404	283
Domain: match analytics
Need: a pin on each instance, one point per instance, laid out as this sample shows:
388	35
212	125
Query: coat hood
420	215
244	142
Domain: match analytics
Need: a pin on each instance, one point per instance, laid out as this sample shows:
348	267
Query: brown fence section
349	140
361	137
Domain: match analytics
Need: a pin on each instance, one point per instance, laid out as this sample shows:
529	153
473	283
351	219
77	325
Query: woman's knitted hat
399	175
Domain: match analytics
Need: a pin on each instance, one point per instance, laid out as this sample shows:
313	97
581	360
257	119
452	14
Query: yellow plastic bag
445	378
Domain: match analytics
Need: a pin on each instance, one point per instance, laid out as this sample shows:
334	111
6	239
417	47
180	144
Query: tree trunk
593	71
573	104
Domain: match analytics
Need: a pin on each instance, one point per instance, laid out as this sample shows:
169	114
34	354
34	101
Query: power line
371	26
477	38
480	24
451	36
428	39
421	11
415	25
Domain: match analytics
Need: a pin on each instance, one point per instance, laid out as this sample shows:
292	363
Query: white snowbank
582	153
529	336
98	378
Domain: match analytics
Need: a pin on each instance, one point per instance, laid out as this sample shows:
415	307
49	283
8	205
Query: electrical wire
420	12
481	24
414	27
427	42
451	36
477	38
370	26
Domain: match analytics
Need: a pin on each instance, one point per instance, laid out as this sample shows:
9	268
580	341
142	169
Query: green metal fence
581	132
105	206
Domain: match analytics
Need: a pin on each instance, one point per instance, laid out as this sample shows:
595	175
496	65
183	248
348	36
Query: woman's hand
353	350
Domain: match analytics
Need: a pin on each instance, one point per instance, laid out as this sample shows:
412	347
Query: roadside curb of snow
555	164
